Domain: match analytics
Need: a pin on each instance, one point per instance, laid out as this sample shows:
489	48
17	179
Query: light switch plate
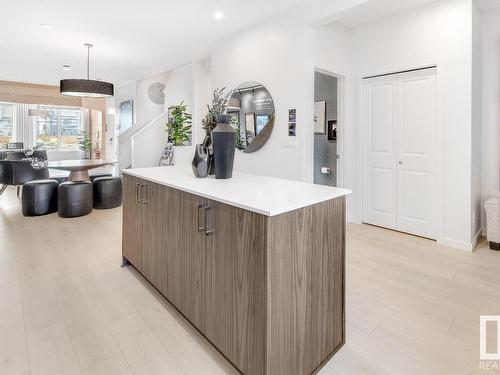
289	142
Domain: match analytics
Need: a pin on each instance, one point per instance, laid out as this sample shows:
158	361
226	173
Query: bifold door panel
399	152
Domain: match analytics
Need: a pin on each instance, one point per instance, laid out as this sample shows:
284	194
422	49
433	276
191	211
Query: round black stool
39	197
107	192
74	198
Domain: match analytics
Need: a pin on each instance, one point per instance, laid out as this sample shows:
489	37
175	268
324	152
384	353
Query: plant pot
224	143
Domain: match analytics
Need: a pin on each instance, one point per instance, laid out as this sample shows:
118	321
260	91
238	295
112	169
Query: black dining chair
5	175
15	155
15	146
23	171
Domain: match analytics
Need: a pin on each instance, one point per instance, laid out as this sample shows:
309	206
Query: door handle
208	224
400	162
202	228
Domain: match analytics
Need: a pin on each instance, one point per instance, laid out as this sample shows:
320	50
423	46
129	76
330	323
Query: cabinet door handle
145	191
208	223
137	193
202	228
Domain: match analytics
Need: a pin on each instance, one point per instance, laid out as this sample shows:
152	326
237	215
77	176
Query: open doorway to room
326	121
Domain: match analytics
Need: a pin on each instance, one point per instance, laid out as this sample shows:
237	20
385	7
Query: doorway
326	115
399	173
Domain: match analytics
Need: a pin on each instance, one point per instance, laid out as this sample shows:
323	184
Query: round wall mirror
251	108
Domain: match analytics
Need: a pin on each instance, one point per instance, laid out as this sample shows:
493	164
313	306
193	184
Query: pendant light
86	87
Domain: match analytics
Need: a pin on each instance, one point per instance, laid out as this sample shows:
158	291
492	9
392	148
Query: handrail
135	130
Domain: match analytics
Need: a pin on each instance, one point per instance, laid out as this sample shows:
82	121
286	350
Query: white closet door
380	152
416	197
399	186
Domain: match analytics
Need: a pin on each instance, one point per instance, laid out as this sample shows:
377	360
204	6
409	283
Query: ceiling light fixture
86	87
46	26
66	68
218	15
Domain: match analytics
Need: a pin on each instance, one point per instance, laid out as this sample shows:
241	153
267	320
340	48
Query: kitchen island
256	264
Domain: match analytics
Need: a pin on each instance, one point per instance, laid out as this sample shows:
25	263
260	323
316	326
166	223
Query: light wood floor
66	306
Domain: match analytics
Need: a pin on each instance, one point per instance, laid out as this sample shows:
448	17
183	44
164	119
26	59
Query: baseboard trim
461	245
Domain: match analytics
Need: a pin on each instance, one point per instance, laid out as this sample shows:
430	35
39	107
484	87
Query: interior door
399	187
380	173
416	156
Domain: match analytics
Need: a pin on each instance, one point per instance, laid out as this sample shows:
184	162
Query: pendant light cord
88	62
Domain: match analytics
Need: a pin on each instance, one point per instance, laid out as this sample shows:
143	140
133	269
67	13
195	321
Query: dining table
79	169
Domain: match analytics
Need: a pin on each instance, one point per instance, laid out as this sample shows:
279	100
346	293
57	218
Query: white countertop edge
340	192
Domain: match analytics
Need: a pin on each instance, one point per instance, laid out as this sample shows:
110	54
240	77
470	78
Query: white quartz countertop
265	195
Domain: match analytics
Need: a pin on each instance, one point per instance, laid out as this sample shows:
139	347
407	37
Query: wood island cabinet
266	291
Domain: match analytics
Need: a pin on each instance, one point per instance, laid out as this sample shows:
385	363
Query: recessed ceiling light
46	26
218	15
66	67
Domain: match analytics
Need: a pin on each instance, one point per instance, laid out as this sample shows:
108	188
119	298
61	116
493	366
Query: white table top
265	195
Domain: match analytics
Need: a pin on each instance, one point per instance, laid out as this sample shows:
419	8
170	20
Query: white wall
329	50
435	34
271	53
148	142
476	126
490	64
145	108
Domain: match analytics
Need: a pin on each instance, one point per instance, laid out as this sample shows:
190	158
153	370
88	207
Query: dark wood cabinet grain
267	292
132	222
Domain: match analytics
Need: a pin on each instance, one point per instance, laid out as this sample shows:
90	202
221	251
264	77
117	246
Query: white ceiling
133	39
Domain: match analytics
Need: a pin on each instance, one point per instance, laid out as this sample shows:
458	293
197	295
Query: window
6	123
59	128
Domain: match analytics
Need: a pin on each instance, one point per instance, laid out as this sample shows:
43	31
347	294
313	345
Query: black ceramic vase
224	143
207	142
201	161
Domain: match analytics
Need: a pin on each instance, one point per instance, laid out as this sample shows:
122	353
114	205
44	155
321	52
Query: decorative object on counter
224	143
167	156
220	102
202	161
85	145
252	103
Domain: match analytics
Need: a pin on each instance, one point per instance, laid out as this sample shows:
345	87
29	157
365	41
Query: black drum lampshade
86	87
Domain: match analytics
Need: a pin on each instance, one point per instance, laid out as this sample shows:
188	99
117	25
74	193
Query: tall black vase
224	143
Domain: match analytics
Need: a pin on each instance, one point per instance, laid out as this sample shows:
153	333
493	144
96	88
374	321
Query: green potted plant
178	130
85	144
220	101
